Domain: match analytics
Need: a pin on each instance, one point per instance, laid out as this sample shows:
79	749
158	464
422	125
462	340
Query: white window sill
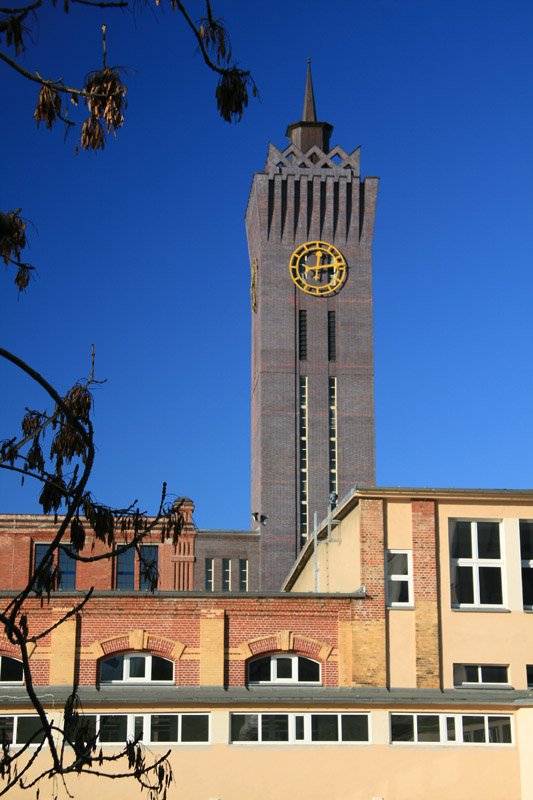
482	609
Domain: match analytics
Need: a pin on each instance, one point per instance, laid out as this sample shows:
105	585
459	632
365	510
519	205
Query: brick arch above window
287	641
141	640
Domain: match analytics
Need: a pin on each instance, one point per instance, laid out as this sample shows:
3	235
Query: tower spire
308	132
309	114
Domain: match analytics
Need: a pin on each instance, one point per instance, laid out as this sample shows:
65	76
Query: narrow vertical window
45	579
226	575
210	575
302	335
526	555
243	574
303	410
332	337
125	573
148	572
66	570
332	421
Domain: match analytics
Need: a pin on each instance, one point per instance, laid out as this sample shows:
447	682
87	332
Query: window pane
164	728
284	667
461	544
66	577
398	592
83	733
137	666
473	729
402	728
526	540
299	728
44	581
226	575
138	728
209	575
428	728
29	729
113	728
148	567
125	561
6	730
259	670
10	669
244	728
275	727
112	669
450	729
397	564
308	670
243	574
354	728
488	539
527	586
162	669
500	729
462	585
494	674
490	585
529	672
195	728
324	727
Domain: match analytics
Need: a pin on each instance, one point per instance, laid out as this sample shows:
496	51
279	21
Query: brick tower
309	224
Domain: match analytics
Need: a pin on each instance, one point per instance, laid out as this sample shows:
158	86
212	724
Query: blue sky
141	249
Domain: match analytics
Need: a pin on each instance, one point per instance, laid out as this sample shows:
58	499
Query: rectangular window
526	555
303	428
210	574
302	335
450	729
399	578
65	574
477	564
148	567
21	730
529	672
332	425
243	574
480	675
147	728
296	728
124	569
226	575
332	337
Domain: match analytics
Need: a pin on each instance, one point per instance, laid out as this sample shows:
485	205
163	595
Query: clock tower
309	224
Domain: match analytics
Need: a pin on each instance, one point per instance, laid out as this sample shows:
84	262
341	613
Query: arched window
136	668
10	670
283	668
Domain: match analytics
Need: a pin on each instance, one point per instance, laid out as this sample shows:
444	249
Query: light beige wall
339	563
402	648
524	736
399	525
221	771
489	637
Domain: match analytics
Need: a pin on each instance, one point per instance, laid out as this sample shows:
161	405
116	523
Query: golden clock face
318	268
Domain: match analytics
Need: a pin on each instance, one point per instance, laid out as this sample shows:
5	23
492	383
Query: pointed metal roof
309	112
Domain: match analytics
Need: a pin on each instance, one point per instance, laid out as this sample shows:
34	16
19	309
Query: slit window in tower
302	335
332	420
332	338
303	498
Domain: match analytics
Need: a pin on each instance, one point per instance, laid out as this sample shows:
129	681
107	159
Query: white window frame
209	574
147	669
243	572
146	727
475	563
443	729
307	726
294	669
398	578
480	682
226	568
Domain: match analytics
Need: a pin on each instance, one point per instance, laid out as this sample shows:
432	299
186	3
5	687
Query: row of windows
272	669
302	336
476	567
127	565
268	728
229	582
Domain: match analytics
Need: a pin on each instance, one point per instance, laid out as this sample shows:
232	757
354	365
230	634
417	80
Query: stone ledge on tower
292	160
